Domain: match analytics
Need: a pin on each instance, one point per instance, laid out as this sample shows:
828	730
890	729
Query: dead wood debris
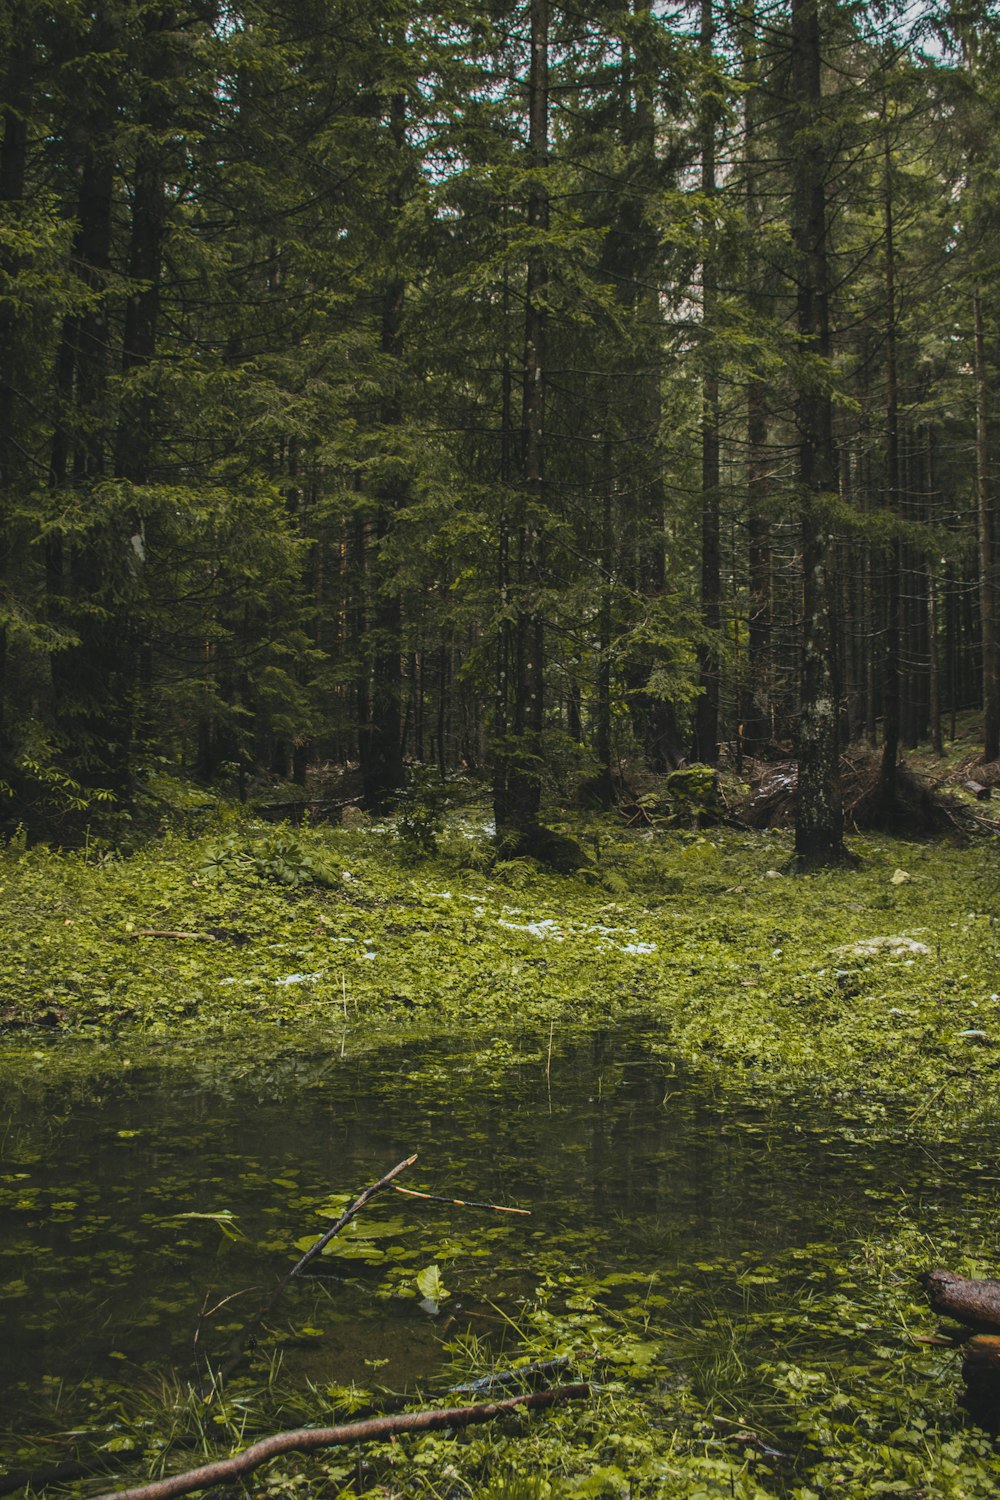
975	1303
919	807
308	1439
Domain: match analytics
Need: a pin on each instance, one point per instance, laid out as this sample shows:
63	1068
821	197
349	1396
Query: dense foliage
504	385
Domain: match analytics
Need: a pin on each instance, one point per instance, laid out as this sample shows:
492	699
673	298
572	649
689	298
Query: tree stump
981	1373
976	1305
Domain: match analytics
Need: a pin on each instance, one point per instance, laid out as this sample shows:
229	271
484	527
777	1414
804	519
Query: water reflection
625	1162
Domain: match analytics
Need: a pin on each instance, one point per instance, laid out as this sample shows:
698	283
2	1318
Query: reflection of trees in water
626	1163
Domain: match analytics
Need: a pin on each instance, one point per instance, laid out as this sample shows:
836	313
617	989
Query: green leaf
430	1285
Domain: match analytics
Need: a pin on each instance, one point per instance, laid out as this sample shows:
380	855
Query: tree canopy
505	386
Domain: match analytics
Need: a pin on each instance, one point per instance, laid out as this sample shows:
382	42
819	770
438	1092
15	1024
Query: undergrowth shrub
421	808
279	858
518	874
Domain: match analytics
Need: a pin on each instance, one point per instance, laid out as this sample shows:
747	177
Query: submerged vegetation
745	1107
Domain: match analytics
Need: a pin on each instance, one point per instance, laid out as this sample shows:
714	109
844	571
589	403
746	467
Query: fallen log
974	1303
307	1439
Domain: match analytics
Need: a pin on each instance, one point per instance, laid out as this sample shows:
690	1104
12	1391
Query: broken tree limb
244	1341
163	932
535	1372
497	1208
974	1303
307	1439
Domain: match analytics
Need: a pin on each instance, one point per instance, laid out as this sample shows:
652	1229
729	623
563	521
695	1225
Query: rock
887	947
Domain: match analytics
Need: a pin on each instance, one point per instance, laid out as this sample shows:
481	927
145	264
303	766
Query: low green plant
279	858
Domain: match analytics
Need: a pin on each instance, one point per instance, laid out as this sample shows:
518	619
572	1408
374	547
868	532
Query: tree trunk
603	790
382	752
819	818
987	563
933	624
755	717
90	701
519	780
890	659
705	741
13	173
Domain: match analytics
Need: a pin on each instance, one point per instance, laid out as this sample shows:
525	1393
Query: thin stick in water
497	1208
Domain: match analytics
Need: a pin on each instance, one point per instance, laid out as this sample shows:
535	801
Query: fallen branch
159	932
497	1208
534	1373
242	1344
306	1439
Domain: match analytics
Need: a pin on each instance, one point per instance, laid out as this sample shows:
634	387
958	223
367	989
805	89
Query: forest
499	738
513	388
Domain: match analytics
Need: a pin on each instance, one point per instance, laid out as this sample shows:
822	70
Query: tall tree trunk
755	718
890	659
520	779
136	418
604	781
88	695
505	633
13	174
705	741
633	251
382	749
819	817
933	620
987	560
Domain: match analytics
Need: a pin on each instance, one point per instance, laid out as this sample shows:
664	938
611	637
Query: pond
131	1211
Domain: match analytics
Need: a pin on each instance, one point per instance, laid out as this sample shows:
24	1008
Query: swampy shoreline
879	985
845	1022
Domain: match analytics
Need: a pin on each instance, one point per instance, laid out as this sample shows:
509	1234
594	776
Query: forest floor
871	995
881	983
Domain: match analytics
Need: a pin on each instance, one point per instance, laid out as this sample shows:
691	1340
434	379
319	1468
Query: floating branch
307	1439
497	1208
530	1374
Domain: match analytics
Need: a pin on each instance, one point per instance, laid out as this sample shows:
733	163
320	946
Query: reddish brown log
305	1439
974	1303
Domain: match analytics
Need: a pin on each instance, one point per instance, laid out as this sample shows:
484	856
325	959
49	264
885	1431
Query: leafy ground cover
868	998
879	984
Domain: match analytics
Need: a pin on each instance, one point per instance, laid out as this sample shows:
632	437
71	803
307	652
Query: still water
111	1249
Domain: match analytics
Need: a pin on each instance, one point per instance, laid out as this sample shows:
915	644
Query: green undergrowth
877	986
802	1377
842	1020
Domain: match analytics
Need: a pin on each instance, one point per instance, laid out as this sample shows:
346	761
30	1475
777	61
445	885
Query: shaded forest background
512	386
